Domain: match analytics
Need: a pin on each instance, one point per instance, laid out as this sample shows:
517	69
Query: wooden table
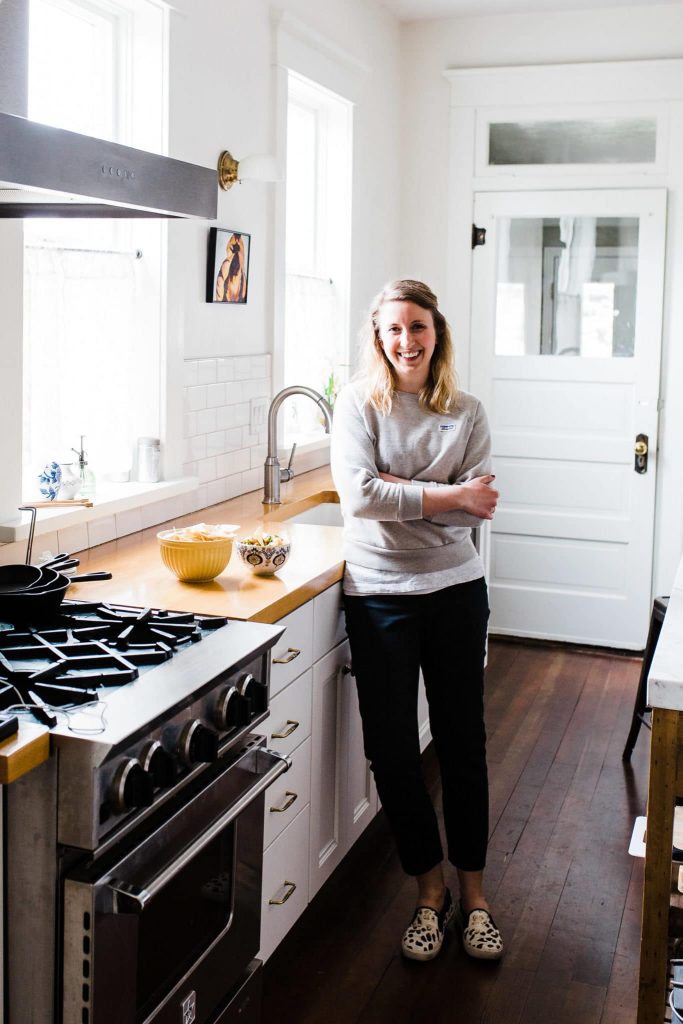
665	697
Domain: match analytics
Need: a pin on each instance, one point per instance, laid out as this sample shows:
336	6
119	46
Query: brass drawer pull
292	653
291	726
278	903
290	798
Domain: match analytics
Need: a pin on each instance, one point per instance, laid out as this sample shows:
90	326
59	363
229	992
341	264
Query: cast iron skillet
43	589
18	577
35	604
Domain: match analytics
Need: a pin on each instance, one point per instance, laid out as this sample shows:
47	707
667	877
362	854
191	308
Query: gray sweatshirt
384	527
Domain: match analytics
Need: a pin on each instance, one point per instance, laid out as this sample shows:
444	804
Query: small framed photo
227	272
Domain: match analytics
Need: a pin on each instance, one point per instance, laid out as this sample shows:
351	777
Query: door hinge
478	236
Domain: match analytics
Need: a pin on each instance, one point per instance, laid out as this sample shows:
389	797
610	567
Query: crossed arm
476	496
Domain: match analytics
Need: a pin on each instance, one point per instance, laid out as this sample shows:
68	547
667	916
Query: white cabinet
289	722
315	811
293	652
329	627
284	893
288	795
343	794
328	763
360	802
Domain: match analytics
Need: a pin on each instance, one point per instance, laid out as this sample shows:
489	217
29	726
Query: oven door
162	929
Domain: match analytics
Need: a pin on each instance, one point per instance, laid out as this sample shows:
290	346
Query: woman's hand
476	497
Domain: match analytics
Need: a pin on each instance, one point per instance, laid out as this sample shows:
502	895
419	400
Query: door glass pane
566	286
606	141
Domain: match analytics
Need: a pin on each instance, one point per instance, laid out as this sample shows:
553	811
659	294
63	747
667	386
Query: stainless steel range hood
50	172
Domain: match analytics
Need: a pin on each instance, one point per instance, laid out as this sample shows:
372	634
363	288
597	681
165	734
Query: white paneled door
566	337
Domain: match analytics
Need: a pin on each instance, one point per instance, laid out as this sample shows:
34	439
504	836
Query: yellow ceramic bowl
195	561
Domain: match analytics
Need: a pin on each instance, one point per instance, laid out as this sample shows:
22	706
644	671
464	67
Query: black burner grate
91	645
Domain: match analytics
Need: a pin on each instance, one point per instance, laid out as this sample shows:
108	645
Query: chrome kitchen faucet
273	476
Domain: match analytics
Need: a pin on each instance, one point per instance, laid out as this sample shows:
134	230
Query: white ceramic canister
149	459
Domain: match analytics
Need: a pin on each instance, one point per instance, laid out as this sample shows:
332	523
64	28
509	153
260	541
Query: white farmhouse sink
328	513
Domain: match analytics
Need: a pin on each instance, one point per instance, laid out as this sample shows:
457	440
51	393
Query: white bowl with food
264	553
199	553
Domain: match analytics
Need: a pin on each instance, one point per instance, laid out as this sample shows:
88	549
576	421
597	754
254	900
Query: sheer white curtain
86	369
577	235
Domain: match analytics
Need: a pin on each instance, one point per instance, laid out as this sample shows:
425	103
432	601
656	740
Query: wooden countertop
24	751
140	577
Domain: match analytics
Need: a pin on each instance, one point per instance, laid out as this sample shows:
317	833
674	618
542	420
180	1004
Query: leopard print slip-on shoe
480	936
423	938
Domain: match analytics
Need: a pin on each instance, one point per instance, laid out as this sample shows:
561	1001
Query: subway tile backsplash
219	445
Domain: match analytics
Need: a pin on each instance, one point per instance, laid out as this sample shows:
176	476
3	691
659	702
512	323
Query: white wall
430	47
230	101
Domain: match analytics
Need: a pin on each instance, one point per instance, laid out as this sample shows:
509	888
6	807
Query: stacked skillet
31	593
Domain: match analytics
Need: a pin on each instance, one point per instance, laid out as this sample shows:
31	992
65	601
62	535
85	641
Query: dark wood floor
565	893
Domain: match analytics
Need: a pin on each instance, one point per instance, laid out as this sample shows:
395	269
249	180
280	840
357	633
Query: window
317	251
92	288
567	286
605	141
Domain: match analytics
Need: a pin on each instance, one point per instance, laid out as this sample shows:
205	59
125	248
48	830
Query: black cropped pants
444	634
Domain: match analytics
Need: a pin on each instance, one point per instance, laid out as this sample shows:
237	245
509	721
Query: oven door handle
139	896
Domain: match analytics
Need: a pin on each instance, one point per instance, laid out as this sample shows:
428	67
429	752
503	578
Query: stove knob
230	710
132	786
159	763
198	744
254	694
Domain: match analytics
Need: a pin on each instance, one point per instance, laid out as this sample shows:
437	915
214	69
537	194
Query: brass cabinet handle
278	903
292	653
291	726
290	798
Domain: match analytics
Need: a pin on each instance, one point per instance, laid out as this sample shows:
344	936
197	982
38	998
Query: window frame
334	114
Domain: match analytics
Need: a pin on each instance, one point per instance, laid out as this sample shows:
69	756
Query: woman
411	463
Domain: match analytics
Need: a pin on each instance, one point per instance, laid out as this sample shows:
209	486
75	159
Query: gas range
134	853
139	699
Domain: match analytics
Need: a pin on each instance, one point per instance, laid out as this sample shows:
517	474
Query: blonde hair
440	392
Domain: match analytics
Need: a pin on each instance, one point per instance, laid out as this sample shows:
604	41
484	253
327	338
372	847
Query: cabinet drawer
329	627
293	653
285	880
289	721
288	795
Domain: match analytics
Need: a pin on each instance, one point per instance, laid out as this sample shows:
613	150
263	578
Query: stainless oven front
162	926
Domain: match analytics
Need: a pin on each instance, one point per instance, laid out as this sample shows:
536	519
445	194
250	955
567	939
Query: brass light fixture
227	170
252	168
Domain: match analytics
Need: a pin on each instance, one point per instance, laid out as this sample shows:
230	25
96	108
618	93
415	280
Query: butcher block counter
665	697
140	578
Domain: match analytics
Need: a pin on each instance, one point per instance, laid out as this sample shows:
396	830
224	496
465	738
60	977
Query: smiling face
407	335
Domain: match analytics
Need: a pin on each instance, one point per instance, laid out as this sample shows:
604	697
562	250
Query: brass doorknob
641	448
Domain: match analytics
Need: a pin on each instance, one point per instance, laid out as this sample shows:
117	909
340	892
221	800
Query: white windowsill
110	499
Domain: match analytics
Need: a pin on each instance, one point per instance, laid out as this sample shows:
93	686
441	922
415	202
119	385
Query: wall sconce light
252	168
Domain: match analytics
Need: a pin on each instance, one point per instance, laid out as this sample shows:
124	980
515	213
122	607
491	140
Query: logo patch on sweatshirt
446	426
